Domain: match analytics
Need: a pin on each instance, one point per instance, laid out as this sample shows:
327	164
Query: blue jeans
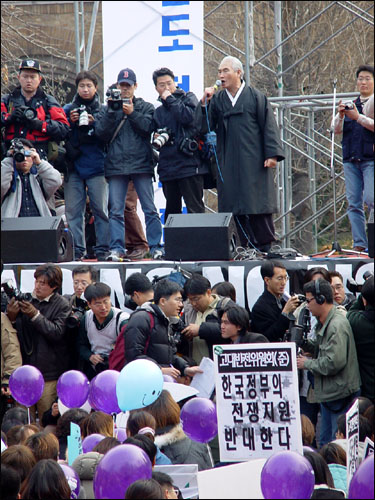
328	424
75	207
359	183
118	187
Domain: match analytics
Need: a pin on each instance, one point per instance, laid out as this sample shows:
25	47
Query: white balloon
63	408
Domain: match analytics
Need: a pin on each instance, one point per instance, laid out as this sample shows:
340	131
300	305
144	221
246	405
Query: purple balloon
118	469
362	484
73	480
103	391
199	419
168	378
120	434
26	385
90	441
287	474
90	397
73	388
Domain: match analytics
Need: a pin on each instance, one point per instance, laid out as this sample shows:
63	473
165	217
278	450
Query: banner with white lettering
257	400
352	437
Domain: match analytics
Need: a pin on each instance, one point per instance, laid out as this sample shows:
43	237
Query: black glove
34	124
17	115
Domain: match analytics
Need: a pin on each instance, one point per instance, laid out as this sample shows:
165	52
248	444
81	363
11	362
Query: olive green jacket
334	364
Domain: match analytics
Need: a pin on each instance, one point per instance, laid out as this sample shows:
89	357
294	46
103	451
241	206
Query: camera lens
29	114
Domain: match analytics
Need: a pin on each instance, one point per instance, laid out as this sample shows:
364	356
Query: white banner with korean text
257	400
145	36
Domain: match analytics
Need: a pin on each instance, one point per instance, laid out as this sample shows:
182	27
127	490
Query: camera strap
118	129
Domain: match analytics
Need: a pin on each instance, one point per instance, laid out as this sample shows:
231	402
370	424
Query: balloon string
28	414
210	455
114	424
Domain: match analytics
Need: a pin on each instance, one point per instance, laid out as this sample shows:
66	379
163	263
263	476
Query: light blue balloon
140	383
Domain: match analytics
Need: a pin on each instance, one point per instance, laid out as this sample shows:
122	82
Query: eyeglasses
194	299
337	287
83	283
282	278
364	78
309	300
178	299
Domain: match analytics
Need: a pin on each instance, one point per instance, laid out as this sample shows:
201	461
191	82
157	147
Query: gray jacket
11	203
85	466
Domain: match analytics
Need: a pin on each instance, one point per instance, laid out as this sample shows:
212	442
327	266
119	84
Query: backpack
117	356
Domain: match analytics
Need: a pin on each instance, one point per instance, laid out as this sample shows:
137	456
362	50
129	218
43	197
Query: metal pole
312	178
83	48
279	50
76	29
247	50
91	34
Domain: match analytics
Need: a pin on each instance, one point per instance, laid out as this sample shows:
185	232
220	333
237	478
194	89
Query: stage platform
245	275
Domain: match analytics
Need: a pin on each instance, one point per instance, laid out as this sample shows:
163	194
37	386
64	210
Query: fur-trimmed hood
171	436
180	449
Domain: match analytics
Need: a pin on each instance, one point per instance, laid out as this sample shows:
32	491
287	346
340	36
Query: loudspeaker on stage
200	237
35	239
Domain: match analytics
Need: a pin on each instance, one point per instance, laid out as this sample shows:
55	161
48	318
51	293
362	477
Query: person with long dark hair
46	482
235	325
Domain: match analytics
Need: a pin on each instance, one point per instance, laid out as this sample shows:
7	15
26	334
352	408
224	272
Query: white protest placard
257	400
184	476
232	481
205	382
352	437
369	448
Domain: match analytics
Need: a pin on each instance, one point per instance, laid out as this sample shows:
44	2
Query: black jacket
177	113
252	338
43	341
266	317
130	152
161	347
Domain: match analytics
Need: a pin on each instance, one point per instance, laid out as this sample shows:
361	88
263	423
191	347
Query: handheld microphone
217	85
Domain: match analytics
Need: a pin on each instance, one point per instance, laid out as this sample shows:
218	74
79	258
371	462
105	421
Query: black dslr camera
298	333
11	291
114	99
25	113
75	318
19	152
355	287
188	146
165	135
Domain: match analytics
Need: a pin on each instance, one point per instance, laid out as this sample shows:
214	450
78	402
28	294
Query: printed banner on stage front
257	400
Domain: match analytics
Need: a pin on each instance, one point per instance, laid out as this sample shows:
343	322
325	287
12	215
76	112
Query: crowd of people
104	156
110	153
176	327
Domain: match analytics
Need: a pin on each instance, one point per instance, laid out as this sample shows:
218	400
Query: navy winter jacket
177	113
90	149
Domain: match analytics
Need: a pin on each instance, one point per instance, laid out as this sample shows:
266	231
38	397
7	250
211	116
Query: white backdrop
145	36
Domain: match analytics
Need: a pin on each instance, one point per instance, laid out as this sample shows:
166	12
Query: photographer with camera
83	276
27	182
272	313
180	168
126	127
40	324
334	361
358	155
98	329
29	113
361	318
86	157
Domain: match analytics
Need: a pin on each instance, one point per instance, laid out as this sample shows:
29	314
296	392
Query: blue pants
118	187
359	184
75	206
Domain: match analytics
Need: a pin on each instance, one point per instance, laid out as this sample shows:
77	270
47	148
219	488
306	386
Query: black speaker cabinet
370	234
35	239
200	237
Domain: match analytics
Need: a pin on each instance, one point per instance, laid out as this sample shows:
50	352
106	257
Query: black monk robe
247	135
